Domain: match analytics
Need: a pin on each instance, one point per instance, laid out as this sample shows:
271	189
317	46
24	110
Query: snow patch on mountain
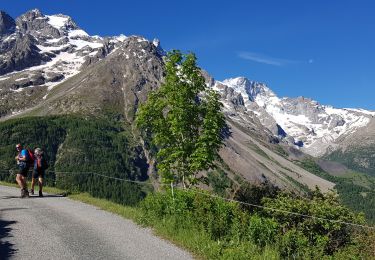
120	38
76	33
371	113
80	43
57	21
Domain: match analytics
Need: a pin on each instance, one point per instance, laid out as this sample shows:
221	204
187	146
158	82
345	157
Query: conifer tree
183	118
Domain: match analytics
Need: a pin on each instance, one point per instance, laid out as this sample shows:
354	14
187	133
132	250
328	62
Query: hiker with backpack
23	159
40	166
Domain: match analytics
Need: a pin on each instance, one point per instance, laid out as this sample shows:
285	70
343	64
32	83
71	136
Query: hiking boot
32	192
22	193
41	194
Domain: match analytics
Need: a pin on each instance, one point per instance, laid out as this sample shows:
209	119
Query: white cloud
260	58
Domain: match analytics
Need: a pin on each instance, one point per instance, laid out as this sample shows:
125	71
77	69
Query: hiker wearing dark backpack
40	166
22	159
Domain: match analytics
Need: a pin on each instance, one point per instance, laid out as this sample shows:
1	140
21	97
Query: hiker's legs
24	181
19	179
40	184
33	180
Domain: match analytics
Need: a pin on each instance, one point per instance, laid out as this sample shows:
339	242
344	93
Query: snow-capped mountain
299	121
51	48
38	52
55	43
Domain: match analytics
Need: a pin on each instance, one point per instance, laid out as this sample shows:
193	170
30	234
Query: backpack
30	157
44	164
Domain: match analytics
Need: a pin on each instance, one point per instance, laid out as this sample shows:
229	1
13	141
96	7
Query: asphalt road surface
56	227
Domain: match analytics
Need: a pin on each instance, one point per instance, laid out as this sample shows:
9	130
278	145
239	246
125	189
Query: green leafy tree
184	121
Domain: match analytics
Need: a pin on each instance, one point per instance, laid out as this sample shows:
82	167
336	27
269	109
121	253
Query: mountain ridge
300	121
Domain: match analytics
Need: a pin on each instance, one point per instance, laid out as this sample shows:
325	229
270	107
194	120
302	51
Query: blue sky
319	49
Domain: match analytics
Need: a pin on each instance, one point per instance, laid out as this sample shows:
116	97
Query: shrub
236	233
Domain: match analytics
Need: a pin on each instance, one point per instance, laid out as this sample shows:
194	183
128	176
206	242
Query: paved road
58	228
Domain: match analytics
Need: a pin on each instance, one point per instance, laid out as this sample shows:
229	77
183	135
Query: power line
284	211
222	198
108	177
88	173
246	203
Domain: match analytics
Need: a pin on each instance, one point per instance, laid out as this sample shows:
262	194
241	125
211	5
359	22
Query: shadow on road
9	197
9	209
34	196
47	196
6	248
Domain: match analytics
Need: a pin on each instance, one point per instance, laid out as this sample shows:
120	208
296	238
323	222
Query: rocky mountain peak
7	23
36	23
303	106
28	20
38	38
156	43
32	14
251	89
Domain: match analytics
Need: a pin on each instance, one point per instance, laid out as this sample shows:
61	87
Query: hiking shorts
38	174
23	170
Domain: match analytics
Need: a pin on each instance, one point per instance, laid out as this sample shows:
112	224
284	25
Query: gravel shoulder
56	227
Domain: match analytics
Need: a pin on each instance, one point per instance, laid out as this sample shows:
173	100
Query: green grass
121	210
198	241
257	149
280	151
303	188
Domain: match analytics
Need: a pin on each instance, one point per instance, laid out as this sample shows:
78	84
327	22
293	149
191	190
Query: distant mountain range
50	66
316	129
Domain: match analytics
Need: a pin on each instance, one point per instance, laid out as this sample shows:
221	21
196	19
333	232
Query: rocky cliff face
7	24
